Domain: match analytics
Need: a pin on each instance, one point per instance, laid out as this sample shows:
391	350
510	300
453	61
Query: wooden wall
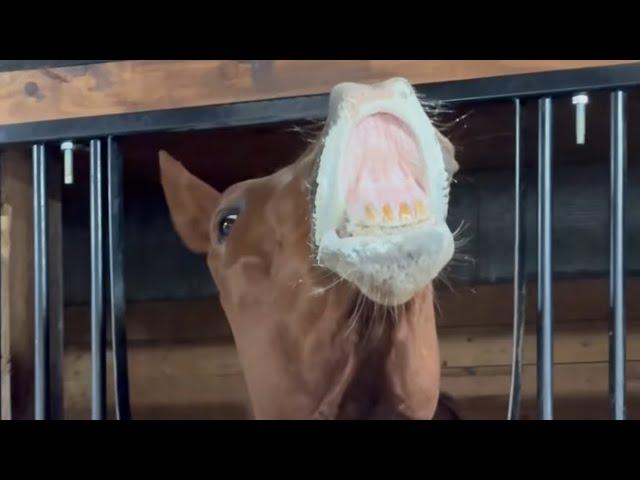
183	363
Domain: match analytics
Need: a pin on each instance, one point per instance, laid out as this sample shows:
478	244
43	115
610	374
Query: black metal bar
56	287
116	279
617	336
17	65
316	106
545	291
555	83
98	368
519	267
41	294
263	112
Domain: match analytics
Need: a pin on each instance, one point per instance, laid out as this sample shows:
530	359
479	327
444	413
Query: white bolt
67	147
580	101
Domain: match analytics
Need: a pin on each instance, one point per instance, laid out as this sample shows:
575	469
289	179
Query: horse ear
191	203
449	154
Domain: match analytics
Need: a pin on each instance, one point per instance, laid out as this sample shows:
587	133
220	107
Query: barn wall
183	363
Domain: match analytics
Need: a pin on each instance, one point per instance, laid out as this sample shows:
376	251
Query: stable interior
182	361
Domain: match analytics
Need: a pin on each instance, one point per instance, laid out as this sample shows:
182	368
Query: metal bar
519	267
16	65
41	294
545	292
315	107
98	370
617	335
56	288
116	280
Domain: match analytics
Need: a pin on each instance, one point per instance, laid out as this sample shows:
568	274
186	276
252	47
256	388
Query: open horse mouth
384	178
382	192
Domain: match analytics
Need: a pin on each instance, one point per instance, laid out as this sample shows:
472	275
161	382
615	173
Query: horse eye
225	225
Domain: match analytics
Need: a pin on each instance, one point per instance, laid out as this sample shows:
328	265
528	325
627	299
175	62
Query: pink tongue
382	164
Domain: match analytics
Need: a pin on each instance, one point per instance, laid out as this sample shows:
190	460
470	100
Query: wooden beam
574	342
17	201
205	378
203	320
5	314
205	381
137	86
461	345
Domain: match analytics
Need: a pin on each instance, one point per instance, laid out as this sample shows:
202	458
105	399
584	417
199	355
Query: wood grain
206	382
202	320
16	192
135	86
580	390
5	314
183	364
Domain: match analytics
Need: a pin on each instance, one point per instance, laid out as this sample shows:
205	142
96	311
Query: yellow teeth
371	214
405	212
387	213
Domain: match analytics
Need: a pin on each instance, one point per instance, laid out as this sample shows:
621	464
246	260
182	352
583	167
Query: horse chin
389	269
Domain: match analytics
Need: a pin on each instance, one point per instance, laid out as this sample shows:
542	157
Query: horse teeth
405	213
421	211
371	214
387	213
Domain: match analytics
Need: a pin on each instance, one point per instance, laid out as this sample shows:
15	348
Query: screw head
580	99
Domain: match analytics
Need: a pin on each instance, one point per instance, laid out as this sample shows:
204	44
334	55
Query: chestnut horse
325	268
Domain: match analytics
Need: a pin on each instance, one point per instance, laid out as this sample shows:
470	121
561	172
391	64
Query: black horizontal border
315	107
18	65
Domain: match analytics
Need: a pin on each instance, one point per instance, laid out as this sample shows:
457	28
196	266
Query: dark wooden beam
136	86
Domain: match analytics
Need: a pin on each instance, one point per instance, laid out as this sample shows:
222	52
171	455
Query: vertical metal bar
116	280
617	335
545	293
98	370
519	280
56	288
41	294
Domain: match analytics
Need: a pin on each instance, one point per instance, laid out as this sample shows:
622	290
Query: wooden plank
5	314
135	86
16	193
205	381
196	321
163	379
575	342
461	346
572	382
579	407
203	320
574	300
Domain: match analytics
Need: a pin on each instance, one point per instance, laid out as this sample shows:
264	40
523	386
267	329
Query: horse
325	268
